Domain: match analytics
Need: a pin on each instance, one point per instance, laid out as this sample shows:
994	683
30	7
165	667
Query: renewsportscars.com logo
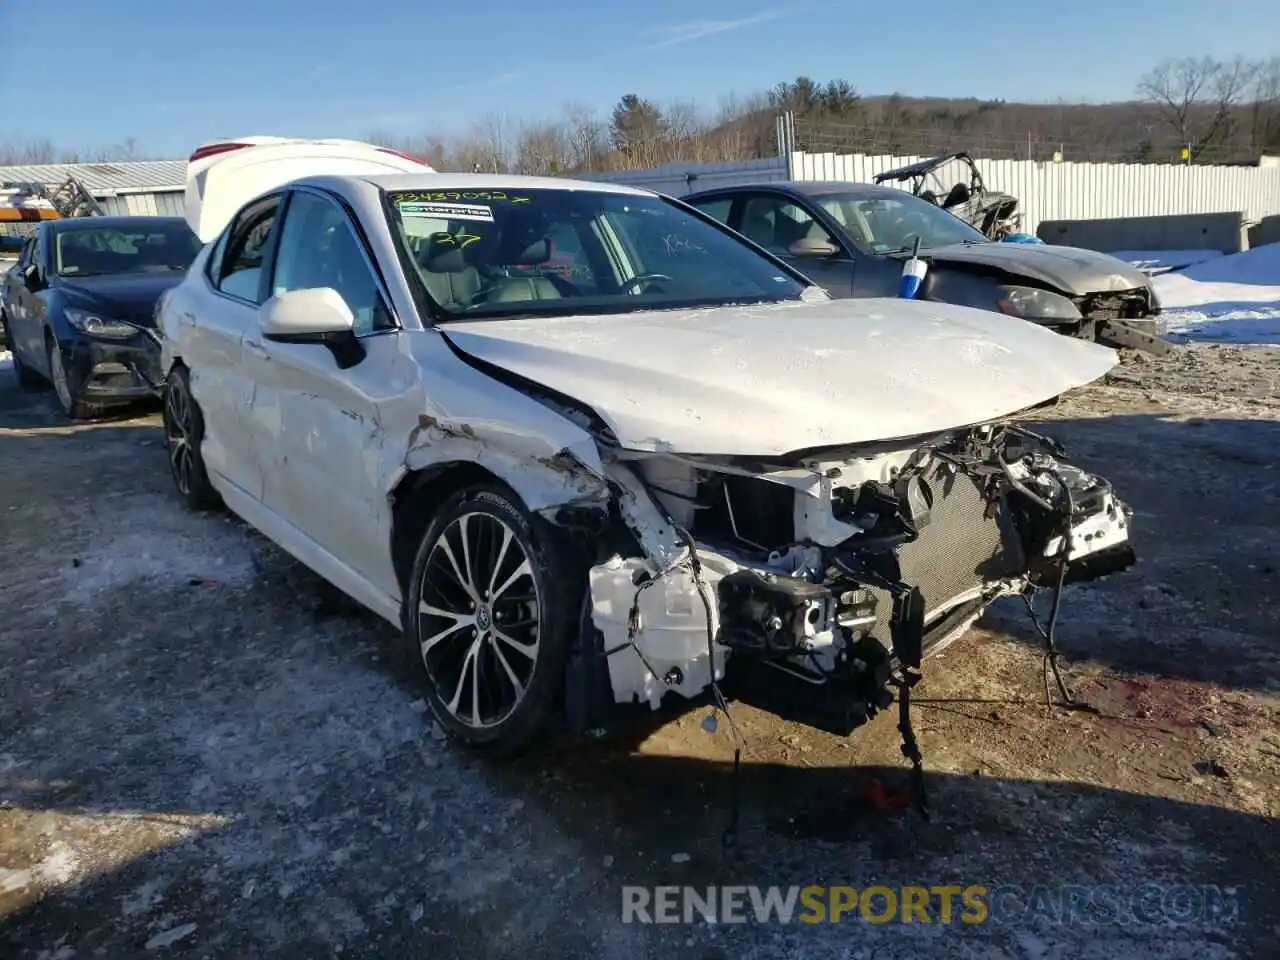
971	905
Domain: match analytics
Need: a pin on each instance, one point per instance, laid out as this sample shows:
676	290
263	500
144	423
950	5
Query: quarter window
319	248
719	209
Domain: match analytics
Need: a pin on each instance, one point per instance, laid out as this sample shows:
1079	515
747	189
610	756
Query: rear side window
240	268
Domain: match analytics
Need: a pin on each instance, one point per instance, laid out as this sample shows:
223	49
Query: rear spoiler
224	175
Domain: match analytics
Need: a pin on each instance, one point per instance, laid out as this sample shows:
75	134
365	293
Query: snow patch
168	937
156	543
1161	261
1234	299
60	866
142	557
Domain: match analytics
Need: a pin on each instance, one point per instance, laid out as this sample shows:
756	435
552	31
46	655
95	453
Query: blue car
79	307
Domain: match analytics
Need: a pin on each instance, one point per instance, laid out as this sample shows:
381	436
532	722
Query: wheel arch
417	497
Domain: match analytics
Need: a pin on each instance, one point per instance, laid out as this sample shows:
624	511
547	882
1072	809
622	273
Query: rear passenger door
235	285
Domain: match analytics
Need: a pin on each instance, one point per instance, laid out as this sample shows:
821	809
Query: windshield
886	225
145	248
495	253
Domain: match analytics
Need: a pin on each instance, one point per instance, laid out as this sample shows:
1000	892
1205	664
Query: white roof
491	181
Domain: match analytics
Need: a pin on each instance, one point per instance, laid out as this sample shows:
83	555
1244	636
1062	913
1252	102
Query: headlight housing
94	325
1032	303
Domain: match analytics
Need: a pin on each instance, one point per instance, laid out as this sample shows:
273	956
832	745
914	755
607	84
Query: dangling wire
1048	630
730	836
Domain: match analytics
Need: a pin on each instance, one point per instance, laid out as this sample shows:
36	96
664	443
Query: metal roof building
124	187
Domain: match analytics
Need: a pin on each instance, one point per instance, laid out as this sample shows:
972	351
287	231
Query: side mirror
812	249
31	276
318	315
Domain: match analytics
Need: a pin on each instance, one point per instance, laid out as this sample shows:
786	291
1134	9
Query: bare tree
32	152
542	150
585	138
1265	108
1197	97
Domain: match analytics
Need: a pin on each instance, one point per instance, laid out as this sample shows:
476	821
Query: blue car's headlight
93	325
1032	303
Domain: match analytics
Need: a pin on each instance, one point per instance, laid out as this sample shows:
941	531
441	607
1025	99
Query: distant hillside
1215	111
1132	131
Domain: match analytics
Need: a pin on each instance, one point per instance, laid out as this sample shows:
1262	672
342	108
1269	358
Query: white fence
1045	190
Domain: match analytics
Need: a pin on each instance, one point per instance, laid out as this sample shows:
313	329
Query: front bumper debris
115	371
815	603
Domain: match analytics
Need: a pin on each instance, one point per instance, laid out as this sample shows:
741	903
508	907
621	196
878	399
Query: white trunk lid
223	176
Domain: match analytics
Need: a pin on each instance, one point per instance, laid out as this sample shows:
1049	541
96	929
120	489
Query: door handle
254	347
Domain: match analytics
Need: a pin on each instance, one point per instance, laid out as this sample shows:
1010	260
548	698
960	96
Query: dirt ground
201	755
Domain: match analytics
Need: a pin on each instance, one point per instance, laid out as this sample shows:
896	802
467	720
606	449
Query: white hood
772	379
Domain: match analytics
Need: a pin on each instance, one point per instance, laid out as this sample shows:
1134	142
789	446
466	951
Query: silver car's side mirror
319	316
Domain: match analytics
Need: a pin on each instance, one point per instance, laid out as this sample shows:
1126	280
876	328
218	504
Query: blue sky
172	74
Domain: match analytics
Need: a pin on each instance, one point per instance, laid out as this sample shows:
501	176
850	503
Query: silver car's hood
1071	270
772	379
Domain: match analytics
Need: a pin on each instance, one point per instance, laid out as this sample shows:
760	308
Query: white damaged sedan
588	448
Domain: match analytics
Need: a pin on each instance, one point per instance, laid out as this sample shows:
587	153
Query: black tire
183	437
28	379
487	514
73	405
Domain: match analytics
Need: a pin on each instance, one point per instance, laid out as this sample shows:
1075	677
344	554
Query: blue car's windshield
498	253
91	251
890	224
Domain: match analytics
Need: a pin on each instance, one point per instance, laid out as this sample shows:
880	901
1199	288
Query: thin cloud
490	83
698	29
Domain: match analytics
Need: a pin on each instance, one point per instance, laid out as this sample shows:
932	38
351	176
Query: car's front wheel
183	435
489	617
73	405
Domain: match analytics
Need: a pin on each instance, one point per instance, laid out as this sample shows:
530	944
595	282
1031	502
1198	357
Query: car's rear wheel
183	435
489	617
73	405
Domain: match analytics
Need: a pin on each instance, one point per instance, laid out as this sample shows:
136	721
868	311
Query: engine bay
812	588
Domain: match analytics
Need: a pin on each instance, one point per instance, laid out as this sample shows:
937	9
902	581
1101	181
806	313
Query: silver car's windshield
890	224
499	253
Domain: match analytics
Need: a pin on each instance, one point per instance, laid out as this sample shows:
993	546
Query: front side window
891	224
495	253
776	223
165	246
319	249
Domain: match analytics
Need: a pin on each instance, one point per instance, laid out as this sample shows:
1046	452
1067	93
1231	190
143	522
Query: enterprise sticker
448	211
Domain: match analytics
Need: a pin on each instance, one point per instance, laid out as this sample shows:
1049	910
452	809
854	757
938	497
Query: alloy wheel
177	436
479	619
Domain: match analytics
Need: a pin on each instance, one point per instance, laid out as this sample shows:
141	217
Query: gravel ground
201	754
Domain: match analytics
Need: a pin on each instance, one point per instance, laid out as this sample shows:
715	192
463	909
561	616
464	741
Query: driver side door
315	425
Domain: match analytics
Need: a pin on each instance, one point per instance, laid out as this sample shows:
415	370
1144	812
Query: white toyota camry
586	447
